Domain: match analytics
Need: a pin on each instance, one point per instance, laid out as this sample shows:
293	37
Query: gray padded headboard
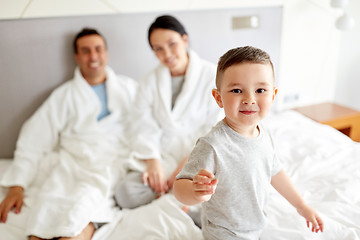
36	54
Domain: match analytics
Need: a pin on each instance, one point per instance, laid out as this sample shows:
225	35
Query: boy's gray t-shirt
244	167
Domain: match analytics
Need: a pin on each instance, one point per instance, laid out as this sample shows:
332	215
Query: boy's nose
249	100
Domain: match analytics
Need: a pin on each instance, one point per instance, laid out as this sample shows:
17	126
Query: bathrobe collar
86	92
188	91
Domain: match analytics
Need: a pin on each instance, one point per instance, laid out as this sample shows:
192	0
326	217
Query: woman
173	108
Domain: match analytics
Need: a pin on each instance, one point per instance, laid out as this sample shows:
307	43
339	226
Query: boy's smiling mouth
246	112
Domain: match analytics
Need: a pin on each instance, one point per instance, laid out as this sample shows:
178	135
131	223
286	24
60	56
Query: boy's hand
204	185
14	199
311	216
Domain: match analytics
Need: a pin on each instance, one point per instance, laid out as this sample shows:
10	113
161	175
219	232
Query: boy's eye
236	91
261	90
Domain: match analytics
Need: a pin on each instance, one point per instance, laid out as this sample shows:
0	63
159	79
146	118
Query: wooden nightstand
344	119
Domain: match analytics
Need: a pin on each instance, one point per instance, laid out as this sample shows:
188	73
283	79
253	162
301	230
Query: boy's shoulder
216	134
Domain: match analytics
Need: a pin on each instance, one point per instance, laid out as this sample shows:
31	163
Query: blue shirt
100	91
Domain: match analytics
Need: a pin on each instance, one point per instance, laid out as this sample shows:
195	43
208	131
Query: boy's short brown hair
239	55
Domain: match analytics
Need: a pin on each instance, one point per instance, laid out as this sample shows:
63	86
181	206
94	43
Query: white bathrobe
67	161
170	134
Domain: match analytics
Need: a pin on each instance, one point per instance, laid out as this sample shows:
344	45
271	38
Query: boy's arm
200	189
282	183
184	193
172	178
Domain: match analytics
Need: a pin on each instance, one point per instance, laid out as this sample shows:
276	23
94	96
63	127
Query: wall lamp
345	21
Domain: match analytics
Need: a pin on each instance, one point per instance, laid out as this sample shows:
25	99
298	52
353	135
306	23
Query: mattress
323	163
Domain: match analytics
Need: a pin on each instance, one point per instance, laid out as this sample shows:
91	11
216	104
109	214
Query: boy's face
246	93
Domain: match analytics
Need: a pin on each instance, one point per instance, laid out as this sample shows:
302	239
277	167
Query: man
68	155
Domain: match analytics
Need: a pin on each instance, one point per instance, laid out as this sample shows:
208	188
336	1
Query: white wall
309	54
318	62
348	78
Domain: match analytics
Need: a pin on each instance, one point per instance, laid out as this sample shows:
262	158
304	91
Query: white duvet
323	163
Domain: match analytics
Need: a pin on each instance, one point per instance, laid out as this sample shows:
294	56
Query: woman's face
171	49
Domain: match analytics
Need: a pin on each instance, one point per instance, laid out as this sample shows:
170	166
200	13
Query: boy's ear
274	94
217	97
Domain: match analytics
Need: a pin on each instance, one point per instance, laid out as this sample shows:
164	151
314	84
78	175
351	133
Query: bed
323	163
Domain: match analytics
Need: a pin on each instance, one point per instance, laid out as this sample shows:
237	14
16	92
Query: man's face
92	57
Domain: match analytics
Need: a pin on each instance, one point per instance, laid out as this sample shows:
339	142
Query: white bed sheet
323	163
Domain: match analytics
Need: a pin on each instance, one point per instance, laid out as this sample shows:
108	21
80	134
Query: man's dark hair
86	32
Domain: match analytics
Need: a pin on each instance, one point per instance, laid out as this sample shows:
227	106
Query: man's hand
14	199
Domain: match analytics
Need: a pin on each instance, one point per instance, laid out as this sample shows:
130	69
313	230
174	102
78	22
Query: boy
237	158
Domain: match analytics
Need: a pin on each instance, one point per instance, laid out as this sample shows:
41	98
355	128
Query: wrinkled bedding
323	163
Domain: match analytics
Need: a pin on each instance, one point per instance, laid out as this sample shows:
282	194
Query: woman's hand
14	199
154	176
